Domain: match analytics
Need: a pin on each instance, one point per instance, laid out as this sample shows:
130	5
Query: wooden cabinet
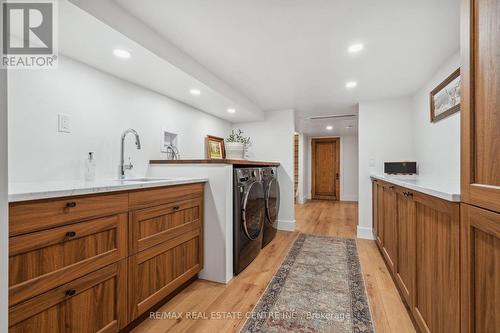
26	217
420	244
94	263
154	225
436	305
480	104
389	229
156	272
94	303
406	244
480	270
43	260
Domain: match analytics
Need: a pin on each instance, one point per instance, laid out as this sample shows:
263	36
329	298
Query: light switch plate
64	123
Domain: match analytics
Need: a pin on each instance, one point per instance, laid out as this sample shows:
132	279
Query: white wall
272	140
348	168
302	168
437	145
4	224
384	135
218	216
101	107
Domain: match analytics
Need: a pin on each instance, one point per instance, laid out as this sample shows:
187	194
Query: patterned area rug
318	288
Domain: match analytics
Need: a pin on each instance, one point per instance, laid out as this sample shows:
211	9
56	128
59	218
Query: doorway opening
325	169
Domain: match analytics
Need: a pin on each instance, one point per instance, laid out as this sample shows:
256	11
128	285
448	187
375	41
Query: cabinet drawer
153	197
154	225
28	217
94	303
44	260
158	271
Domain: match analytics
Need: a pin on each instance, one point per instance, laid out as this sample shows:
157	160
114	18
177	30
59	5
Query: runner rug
318	288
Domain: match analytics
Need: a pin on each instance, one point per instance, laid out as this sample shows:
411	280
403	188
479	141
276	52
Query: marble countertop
55	189
443	189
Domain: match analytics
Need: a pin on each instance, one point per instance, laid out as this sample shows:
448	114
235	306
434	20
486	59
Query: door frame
336	141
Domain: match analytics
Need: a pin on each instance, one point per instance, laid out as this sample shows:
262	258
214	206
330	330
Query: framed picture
445	98
215	148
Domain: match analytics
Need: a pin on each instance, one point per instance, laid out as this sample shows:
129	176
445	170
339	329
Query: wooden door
390	231
326	168
96	302
295	165
480	270
158	271
406	230
436	305
480	104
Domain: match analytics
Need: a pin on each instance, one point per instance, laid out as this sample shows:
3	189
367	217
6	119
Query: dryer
272	198
249	214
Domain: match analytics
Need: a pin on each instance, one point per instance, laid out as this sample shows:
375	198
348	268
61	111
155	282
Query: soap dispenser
90	167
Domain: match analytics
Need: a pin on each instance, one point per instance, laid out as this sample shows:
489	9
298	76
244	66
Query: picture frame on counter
216	149
445	98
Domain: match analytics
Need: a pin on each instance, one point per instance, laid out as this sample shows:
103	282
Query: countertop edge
30	196
216	161
452	197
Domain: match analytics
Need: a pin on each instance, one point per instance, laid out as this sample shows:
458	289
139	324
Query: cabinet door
43	260
405	267
480	104
437	293
154	225
158	271
480	270
380	216
375	209
390	241
93	303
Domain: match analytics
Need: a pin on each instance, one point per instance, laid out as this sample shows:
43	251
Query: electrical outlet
64	123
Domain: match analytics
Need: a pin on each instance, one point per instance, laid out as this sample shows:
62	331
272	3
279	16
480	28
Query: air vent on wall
334	116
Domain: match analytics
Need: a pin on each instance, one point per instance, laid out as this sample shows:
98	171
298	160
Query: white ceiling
87	39
293	53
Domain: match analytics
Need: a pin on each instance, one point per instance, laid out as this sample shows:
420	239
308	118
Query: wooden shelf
222	161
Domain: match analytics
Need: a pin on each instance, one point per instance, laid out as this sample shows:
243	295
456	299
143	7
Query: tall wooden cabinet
480	167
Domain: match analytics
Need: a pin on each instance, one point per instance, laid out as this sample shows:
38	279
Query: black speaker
400	168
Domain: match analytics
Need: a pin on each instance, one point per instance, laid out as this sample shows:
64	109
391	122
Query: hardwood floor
203	300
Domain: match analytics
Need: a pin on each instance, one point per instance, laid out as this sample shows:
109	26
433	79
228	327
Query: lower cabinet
156	272
480	270
419	237
93	303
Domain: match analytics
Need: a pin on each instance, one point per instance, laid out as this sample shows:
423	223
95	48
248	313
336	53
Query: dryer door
252	210
273	201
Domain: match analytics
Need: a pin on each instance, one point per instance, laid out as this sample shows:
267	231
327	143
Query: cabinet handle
71	292
70	204
176	208
71	234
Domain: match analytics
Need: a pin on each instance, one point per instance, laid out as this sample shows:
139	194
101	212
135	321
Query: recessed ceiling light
355	48
195	92
329	127
231	110
351	84
121	53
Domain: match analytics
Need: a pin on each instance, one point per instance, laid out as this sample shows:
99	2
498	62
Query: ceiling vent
334	116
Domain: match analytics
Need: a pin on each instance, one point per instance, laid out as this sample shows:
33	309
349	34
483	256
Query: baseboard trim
285	225
365	233
348	198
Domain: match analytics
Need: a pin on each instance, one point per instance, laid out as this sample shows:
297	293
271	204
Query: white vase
235	150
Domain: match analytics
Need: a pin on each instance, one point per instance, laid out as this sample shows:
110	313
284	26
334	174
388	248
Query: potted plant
236	144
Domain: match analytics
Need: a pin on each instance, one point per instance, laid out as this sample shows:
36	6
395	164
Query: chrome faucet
128	166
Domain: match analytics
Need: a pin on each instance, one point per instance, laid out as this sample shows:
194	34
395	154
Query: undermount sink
143	180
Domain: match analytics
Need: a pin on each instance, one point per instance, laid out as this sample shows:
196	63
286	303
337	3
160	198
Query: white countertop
55	189
443	189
